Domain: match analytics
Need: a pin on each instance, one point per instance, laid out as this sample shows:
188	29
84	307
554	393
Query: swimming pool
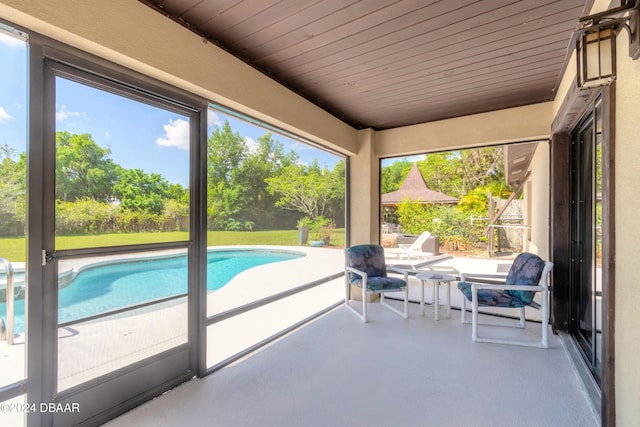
101	288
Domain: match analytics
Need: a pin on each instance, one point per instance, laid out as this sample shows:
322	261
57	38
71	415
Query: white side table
437	279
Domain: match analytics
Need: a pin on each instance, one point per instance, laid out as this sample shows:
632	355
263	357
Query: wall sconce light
596	43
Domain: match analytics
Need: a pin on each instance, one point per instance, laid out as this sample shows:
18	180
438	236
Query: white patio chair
366	268
528	274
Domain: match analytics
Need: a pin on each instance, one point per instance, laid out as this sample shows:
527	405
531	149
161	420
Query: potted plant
303	230
322	229
327	231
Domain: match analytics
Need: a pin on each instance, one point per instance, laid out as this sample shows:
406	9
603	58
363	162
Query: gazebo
414	189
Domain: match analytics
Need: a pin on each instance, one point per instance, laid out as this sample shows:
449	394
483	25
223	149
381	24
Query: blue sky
390	160
13	92
138	135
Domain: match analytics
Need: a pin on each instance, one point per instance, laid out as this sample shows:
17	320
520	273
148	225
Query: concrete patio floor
337	371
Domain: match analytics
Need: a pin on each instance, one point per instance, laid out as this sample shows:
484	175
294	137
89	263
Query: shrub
445	221
456	243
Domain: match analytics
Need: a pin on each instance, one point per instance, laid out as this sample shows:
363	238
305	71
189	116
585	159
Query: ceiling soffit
390	63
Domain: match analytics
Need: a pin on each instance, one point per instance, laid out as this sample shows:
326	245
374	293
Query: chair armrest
435	260
358	272
396	269
468	277
507	287
404	272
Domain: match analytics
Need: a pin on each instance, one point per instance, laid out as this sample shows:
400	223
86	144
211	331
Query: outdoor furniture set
366	268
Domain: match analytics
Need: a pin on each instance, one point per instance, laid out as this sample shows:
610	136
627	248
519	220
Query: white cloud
11	41
62	114
4	116
176	134
213	119
252	146
300	146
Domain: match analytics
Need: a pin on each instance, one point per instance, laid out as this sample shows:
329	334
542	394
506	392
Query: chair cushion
367	258
377	283
491	297
525	270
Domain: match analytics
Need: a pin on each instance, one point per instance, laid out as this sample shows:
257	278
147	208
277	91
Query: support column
364	191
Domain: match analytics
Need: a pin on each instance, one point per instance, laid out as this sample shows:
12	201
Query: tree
482	166
476	201
392	176
225	152
83	168
265	161
139	191
8	181
443	172
455	173
306	189
178	193
12	191
337	183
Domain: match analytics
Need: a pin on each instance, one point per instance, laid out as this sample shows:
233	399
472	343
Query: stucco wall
511	125
133	35
538	197
364	193
627	206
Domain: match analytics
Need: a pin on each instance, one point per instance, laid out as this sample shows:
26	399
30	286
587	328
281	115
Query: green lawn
14	248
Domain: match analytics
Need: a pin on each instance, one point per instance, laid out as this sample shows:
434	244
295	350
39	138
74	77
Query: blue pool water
108	287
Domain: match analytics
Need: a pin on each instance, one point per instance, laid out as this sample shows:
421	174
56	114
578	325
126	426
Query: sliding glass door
586	239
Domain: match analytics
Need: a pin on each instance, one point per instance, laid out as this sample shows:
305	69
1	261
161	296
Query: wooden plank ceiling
387	63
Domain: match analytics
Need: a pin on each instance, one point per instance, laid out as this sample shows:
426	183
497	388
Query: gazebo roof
415	189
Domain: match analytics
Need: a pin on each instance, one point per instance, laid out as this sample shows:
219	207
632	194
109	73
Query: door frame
172	367
573	108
